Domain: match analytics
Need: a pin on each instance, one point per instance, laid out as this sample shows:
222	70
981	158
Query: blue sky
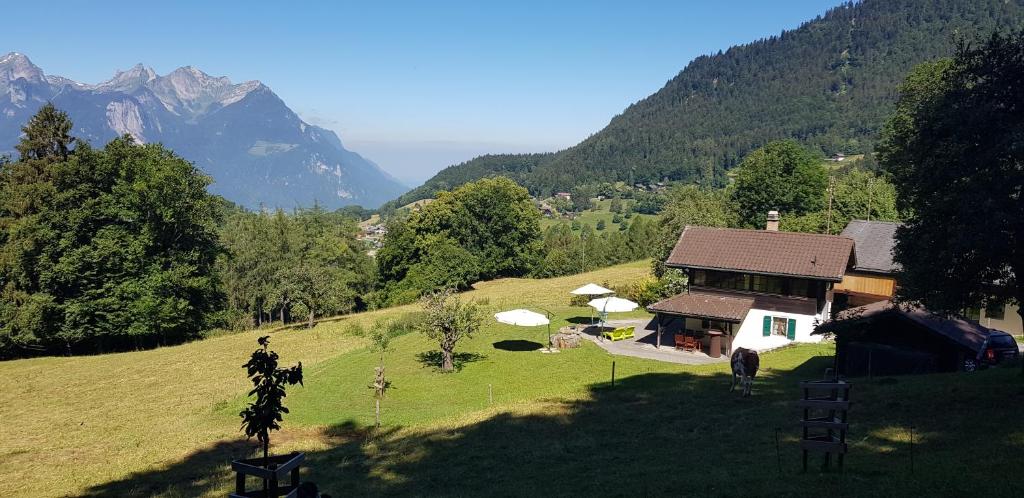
414	86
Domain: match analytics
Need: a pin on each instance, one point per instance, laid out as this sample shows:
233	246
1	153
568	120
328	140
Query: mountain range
257	150
830	84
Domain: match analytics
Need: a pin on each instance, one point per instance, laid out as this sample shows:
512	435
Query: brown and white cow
744	367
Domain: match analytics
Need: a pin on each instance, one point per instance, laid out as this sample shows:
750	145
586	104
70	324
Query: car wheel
970	365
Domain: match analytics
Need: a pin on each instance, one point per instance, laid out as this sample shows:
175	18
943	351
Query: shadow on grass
581	320
517	345
202	472
632	440
435	359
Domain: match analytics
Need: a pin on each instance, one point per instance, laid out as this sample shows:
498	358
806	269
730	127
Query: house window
798	287
699	277
995	311
779	326
767	284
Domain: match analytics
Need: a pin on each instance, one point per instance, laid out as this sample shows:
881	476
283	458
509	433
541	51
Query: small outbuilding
884	338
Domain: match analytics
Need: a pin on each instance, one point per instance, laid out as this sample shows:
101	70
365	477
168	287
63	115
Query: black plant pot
272	470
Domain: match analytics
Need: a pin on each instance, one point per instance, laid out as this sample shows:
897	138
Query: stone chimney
773	221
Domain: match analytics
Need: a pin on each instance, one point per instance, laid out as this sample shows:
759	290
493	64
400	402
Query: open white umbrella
591	290
612	304
524	318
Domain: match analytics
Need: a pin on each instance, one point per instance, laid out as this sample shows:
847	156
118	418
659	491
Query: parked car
998	346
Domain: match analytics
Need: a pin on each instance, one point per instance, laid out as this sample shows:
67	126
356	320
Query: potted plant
263	415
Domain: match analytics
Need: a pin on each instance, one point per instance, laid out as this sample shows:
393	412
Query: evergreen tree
46	136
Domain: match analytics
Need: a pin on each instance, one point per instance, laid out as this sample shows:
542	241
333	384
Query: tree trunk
447	364
311	317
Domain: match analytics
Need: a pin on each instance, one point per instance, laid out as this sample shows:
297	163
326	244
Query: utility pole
583	249
831	191
871	182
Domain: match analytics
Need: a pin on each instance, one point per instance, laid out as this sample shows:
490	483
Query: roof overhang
733	270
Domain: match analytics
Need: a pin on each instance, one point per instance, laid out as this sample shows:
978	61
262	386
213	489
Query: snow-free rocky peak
258	151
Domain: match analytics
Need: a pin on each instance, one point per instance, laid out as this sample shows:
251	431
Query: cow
744	367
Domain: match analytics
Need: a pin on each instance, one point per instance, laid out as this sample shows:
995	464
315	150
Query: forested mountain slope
829	84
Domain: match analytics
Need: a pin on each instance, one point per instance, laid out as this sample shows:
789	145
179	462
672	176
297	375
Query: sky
414	86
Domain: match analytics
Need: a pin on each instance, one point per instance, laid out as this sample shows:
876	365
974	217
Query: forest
828	84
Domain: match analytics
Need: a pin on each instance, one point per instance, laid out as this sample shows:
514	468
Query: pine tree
47	135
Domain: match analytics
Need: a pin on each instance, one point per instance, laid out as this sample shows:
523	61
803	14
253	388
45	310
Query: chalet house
757	289
873	277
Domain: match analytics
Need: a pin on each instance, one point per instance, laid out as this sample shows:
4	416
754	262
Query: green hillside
829	84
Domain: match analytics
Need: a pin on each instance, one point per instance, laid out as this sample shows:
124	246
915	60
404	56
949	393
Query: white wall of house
751	331
1010	323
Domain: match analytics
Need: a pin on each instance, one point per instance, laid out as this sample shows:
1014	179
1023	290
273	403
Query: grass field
591	217
165	422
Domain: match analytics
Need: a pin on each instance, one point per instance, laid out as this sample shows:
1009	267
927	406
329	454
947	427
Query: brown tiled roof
729	306
823	257
711	305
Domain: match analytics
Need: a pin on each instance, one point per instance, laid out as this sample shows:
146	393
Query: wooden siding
861	283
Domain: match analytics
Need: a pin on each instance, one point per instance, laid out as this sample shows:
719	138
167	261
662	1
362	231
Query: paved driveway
642	345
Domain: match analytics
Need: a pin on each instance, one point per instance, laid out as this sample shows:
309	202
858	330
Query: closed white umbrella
524	318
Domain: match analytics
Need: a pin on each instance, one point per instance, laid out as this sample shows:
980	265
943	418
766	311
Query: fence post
911	449
613	373
778	453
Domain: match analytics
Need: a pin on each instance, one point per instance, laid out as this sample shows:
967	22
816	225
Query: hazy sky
414	86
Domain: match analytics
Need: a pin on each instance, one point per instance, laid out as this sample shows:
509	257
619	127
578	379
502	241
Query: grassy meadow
165	423
601	211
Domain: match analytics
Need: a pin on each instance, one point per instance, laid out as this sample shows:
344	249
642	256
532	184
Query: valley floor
165	422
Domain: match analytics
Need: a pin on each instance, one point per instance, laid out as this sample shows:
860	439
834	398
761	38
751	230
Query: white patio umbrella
591	290
612	304
524	318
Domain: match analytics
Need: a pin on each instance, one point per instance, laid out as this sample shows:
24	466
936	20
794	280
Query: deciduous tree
780	176
447	320
954	148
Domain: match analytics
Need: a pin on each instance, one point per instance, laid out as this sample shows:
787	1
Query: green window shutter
791	331
767	326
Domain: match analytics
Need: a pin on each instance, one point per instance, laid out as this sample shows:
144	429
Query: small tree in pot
269	382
